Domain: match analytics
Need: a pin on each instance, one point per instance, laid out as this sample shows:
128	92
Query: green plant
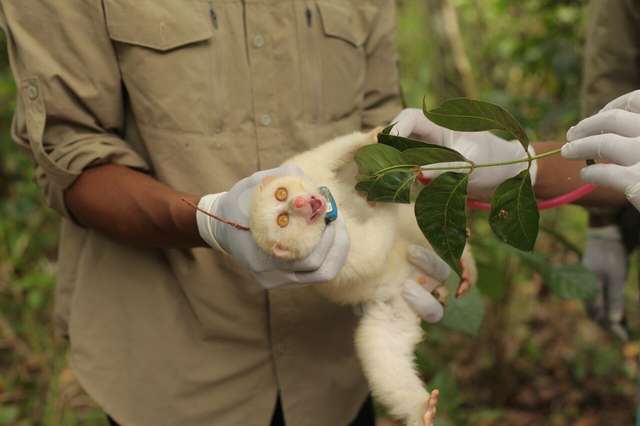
388	170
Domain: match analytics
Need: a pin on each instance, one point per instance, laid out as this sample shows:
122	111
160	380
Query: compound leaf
391	187
431	154
468	115
371	159
441	214
514	212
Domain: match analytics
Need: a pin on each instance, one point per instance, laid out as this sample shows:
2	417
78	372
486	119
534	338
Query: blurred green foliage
536	360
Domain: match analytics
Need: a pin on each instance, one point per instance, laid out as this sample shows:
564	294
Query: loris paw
469	274
441	294
430	415
437	289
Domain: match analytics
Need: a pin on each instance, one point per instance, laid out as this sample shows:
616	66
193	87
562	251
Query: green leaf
468	115
572	282
466	313
387	130
441	214
402	144
431	155
373	158
514	212
391	187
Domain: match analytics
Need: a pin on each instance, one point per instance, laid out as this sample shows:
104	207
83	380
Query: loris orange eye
282	194
283	220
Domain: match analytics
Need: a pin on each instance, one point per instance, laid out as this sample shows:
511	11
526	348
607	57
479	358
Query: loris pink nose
312	206
300	202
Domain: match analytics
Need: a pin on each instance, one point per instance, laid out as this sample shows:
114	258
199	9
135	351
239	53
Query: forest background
530	356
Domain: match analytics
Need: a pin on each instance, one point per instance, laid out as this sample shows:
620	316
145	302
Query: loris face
287	216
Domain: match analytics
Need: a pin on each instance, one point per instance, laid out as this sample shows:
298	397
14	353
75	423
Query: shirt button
32	92
265	120
258	41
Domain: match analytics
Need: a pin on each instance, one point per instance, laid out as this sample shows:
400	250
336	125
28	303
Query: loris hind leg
429	417
385	342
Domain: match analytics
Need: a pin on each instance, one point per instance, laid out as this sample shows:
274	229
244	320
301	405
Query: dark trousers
366	416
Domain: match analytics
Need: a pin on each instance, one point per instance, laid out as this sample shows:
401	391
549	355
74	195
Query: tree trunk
452	73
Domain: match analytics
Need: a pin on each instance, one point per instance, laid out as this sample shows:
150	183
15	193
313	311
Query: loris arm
333	155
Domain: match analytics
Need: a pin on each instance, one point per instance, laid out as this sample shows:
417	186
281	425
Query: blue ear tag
332	208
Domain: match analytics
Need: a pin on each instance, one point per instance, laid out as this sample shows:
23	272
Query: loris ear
266	180
281	251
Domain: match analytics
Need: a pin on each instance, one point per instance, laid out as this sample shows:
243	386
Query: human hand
611	135
606	256
479	147
425	293
323	264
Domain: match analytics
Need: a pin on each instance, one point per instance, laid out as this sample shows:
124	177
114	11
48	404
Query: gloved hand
613	134
606	256
417	292
479	147
323	264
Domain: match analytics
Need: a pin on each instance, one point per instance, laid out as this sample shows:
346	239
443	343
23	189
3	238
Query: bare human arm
557	176
132	207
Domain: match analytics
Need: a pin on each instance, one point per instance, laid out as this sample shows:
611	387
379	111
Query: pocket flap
338	20
161	24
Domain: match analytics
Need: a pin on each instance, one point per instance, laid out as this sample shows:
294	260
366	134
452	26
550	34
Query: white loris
287	221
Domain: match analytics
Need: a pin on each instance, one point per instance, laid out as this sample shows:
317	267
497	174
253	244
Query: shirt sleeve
612	53
382	96
69	110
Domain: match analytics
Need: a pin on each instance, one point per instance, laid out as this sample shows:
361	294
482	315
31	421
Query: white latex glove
613	134
606	256
418	295
479	147
323	264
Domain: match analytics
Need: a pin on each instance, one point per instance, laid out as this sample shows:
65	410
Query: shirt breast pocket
343	58
165	50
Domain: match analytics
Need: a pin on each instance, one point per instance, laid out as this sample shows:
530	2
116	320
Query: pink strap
546	204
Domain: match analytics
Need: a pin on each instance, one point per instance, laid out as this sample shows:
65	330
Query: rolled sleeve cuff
60	168
61	152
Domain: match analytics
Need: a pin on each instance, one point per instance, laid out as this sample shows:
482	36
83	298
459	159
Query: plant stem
502	163
471	165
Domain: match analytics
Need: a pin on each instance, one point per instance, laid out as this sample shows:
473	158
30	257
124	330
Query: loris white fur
287	221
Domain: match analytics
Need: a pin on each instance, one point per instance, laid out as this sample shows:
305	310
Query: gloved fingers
333	263
617	121
628	102
611	175
319	253
422	302
608	147
250	182
411	121
427	172
241	194
633	195
428	262
284	170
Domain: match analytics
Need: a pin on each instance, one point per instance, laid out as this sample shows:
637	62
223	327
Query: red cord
546	204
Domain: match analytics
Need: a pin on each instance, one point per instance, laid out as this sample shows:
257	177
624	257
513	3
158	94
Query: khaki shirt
199	94
612	54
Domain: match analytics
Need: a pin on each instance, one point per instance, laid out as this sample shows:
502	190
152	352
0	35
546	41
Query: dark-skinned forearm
557	176
132	207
